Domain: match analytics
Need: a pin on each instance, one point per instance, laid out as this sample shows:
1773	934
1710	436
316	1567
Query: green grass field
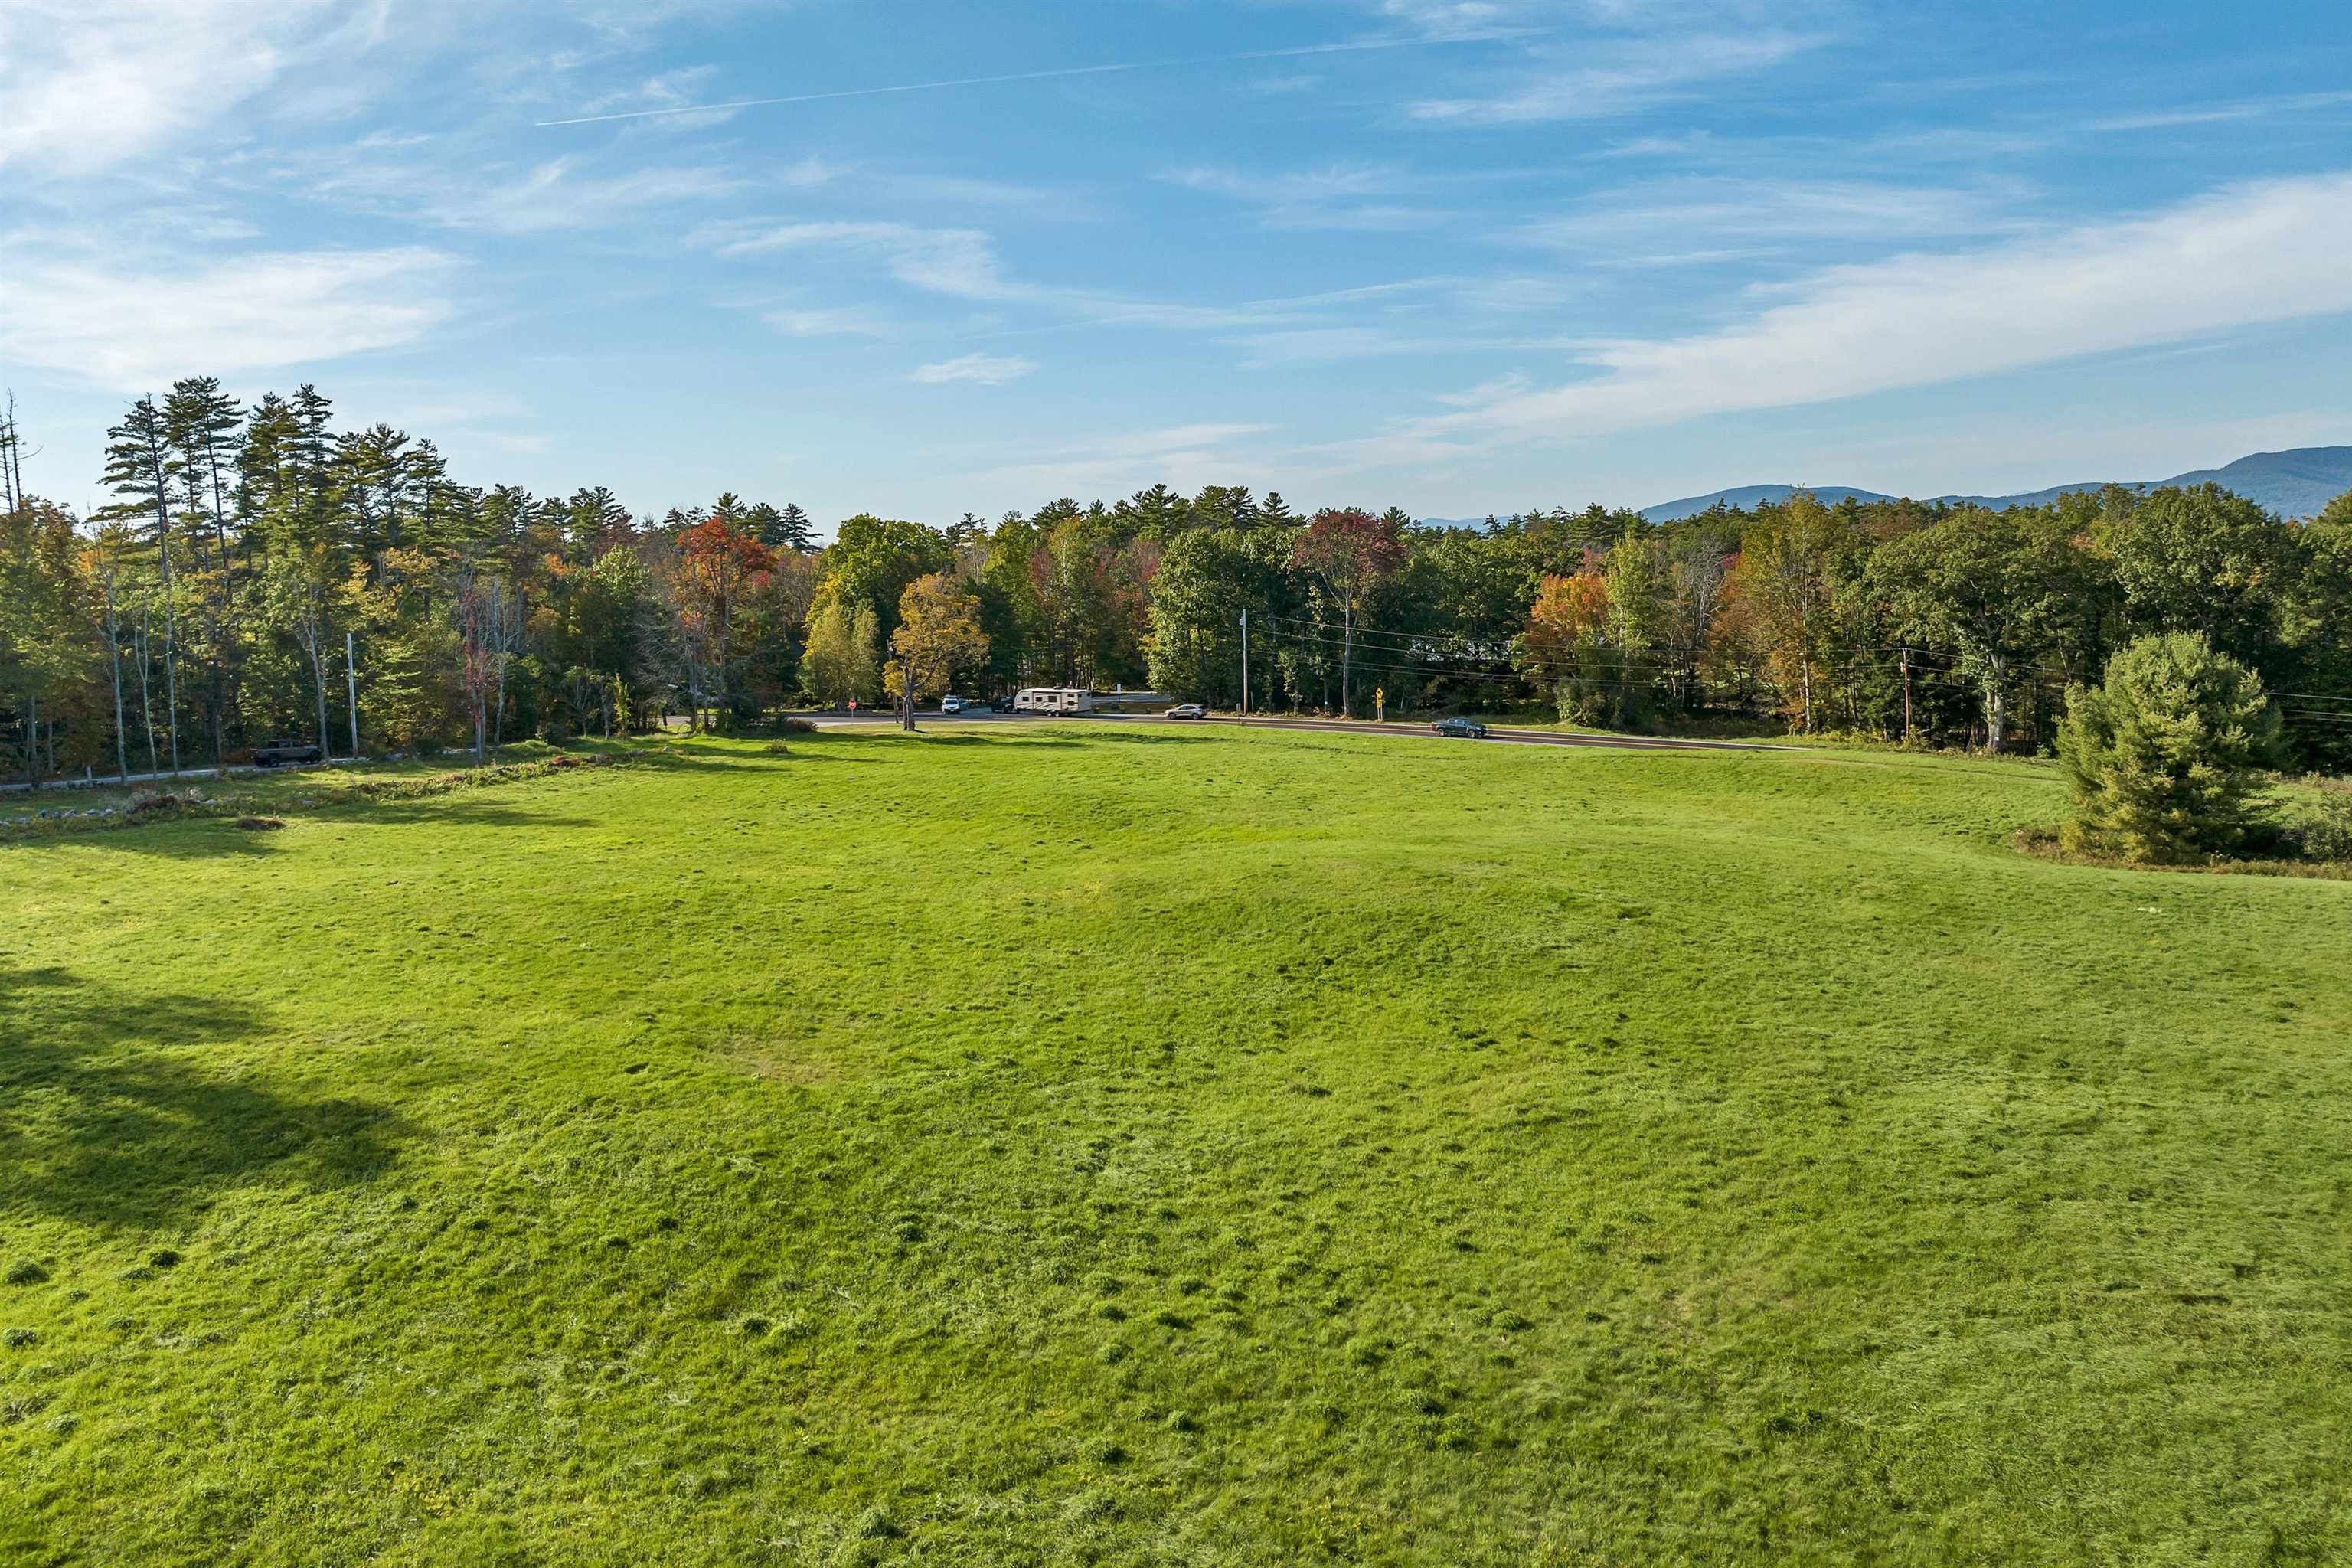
1128	1145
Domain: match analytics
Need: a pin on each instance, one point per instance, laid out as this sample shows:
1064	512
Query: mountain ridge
2293	484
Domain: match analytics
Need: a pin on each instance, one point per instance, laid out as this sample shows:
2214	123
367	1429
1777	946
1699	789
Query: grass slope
1085	1144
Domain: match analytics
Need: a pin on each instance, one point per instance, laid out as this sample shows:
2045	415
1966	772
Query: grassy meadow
1131	1145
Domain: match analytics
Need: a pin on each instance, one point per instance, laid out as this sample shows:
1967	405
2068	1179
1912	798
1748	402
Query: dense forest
258	573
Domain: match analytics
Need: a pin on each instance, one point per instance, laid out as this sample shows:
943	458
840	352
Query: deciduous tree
938	635
1350	551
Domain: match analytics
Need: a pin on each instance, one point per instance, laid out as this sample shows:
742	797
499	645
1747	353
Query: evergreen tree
140	470
2164	756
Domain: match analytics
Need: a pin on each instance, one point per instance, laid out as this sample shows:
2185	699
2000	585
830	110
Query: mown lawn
1127	1145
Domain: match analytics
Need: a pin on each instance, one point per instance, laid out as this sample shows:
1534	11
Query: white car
951	704
1186	711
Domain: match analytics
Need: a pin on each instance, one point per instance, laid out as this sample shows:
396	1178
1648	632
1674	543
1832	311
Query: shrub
554	732
27	1272
2164	756
2324	832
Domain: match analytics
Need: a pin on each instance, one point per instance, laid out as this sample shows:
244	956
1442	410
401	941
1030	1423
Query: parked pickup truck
282	750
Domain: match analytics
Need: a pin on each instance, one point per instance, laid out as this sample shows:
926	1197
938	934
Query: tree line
258	573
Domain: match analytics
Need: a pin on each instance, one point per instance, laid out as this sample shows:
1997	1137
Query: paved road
1345	726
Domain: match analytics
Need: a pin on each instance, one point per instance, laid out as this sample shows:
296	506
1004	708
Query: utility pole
352	685
1244	664
1906	695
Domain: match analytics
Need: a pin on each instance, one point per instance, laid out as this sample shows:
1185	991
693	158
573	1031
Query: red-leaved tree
719	570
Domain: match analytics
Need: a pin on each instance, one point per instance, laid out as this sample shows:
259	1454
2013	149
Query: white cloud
987	370
1339	197
68	307
2221	113
1485	393
2253	254
1675	214
959	262
1185	456
555	195
665	89
846	320
1461	19
86	84
1595	81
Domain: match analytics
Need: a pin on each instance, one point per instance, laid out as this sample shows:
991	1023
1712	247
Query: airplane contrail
1042	75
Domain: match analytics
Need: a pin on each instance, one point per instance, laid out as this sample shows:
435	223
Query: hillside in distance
2295	483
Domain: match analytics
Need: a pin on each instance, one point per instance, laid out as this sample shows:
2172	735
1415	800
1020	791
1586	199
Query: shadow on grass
441	810
966	738
1145	738
219	837
868	738
106	1116
174	836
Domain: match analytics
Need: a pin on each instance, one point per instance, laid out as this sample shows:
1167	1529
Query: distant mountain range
2292	484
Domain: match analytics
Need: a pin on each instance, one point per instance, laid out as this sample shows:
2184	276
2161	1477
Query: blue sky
1456	257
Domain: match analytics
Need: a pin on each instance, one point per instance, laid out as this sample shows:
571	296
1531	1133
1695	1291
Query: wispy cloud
1184	455
1341	197
664	89
962	264
1424	38
1671	214
2269	108
75	307
959	262
1600	81
557	196
1471	20
87	84
987	370
846	320
2267	252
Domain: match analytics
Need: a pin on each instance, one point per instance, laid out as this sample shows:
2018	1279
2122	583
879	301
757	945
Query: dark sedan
1460	729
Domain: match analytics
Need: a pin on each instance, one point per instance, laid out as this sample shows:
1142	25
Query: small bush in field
2323	831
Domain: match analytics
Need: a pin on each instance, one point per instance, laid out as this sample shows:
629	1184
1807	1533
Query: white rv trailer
1052	700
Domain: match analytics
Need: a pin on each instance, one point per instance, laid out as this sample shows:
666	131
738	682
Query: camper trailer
1052	700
